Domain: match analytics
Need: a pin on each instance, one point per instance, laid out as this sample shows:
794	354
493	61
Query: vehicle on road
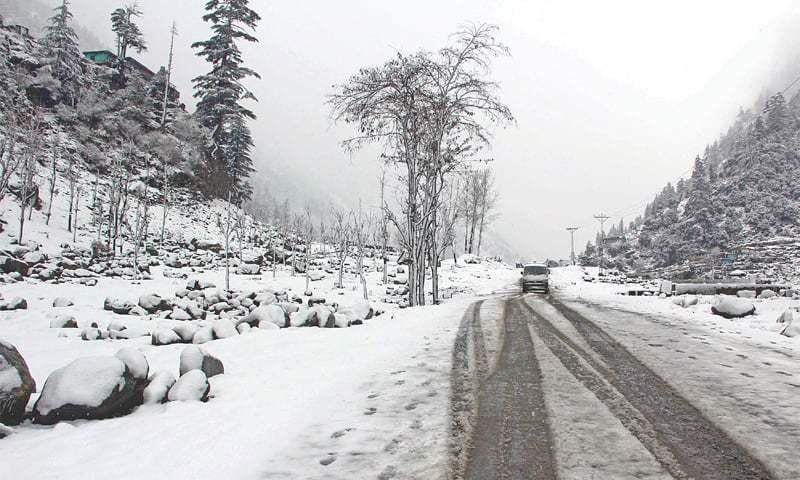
536	278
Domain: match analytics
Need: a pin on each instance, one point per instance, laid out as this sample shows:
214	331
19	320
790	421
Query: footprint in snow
412	406
400	382
745	374
328	460
397	372
388	473
373	395
341	433
371	411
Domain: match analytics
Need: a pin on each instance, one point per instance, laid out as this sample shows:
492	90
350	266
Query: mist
612	99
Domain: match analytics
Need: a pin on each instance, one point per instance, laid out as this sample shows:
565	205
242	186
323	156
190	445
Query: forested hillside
740	207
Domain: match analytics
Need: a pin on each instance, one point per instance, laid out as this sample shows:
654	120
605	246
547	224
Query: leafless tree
52	186
429	111
341	234
362	227
10	157
27	168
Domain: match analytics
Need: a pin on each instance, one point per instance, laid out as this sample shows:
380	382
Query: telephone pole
571	231
602	219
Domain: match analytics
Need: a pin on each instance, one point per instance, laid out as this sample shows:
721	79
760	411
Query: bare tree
429	111
10	158
488	203
341	233
27	171
362	227
52	188
139	190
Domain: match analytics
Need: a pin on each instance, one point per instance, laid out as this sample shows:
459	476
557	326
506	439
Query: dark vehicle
536	278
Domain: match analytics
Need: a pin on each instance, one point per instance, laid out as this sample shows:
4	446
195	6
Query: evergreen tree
128	33
220	93
61	51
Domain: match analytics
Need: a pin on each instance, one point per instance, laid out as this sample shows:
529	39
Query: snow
159	385
732	307
9	377
86	381
192	386
136	362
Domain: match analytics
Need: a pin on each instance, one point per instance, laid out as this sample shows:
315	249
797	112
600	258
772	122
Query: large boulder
138	368
34	258
164	336
206	245
197	358
186	331
61	302
248	269
157	388
767	294
16	385
204	335
685	300
87	388
224	328
192	386
733	307
789	323
746	294
321	316
153	303
9	264
267	314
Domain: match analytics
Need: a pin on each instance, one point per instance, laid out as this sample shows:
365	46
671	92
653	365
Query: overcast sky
613	98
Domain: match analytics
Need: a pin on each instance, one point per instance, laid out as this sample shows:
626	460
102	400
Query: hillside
738	210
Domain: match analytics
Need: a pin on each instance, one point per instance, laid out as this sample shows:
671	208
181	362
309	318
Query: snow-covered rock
135	361
204	335
180	314
299	318
87	388
186	331
16	385
192	386
248	269
767	294
733	307
153	303
60	302
789	323
224	328
157	388
164	336
685	300
321	316
270	313
16	303
243	327
197	358
63	321
746	294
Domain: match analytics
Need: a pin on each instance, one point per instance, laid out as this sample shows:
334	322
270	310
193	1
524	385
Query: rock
16	303
289	308
733	307
746	294
321	316
194	310
224	328
10	264
87	388
186	331
342	320
248	269
61	302
63	321
316	301
193	386
203	335
316	276
16	385
264	298
206	245
362	310
685	301
243	327
766	294
135	361
138	311
179	314
269	313
164	336
173	261
154	303
157	388
789	323
91	333
194	357
33	258
299	318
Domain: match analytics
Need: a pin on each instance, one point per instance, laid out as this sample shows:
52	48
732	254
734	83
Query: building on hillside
108	58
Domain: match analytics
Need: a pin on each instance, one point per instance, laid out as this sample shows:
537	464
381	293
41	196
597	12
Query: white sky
613	98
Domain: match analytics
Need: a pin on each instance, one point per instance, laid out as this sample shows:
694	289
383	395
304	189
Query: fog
612	99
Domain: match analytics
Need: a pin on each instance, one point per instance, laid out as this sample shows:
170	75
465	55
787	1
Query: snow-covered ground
761	328
368	401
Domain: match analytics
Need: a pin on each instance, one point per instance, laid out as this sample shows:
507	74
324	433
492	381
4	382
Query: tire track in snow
678	435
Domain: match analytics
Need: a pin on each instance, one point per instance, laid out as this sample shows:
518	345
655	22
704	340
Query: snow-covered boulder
164	336
33	258
60	302
248	269
63	321
197	358
746	294
153	303
206	245
767	294
265	298
224	328
186	331
321	316
362	310
117	306
733	307
16	303
173	261
157	388
685	300
16	385
203	335
243	327
87	388
192	386
789	323
9	264
135	361
269	313
180	314
299	318
316	301
93	333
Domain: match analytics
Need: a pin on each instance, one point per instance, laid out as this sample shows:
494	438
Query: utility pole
571	231
602	219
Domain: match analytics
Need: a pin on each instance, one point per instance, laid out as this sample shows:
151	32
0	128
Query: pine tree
60	48
128	33
220	93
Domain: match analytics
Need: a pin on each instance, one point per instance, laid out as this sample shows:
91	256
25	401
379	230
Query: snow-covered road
632	396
